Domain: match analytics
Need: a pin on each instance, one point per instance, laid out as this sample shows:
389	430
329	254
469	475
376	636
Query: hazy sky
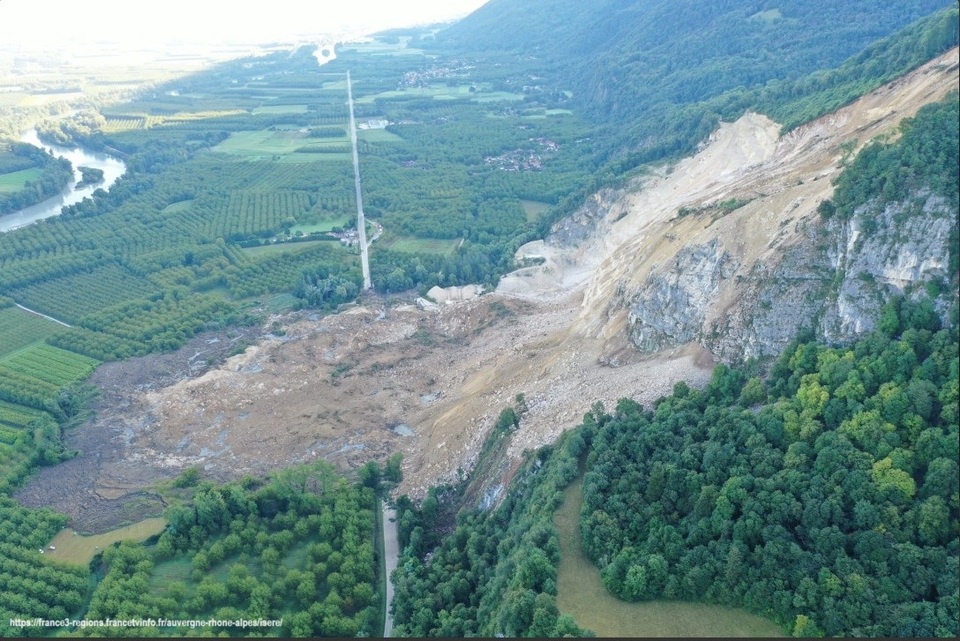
32	22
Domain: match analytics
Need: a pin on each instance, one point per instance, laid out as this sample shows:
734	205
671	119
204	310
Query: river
112	169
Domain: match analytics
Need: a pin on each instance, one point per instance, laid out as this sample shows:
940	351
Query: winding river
112	168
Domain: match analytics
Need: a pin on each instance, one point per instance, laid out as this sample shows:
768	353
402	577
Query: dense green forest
824	497
297	546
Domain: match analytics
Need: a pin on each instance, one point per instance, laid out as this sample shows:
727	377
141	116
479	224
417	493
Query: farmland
14	181
70	546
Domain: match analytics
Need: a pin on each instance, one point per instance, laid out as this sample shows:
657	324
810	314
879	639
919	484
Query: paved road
361	224
391	549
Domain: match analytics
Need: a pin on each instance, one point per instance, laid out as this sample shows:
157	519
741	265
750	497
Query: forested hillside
663	73
823	496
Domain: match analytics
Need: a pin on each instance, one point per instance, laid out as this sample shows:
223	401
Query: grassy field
15	180
533	209
280	248
178	207
445	92
36	100
425	245
379	47
323	226
80	550
580	593
280	109
165	573
281	145
377	135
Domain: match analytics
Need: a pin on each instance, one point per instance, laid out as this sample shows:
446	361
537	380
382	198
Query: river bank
74	192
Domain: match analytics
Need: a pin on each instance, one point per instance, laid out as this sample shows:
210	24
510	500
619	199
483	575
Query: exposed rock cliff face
878	253
834	279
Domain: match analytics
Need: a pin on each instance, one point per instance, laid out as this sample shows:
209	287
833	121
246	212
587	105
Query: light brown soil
430	383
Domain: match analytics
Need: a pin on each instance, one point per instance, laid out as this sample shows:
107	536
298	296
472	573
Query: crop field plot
15	180
37	100
497	96
72	547
382	48
260	144
19	329
322	226
422	245
17	416
167	572
11	99
72	297
280	109
254	213
50	364
116	124
378	135
274	249
178	207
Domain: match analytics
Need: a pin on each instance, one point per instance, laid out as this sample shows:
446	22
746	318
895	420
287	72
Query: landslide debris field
385	377
346	388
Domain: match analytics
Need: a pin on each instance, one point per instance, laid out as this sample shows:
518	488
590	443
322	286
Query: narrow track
33	311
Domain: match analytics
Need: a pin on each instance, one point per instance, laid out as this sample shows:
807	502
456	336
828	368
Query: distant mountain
618	55
656	76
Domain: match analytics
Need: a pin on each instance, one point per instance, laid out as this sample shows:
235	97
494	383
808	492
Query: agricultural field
323	226
413	245
280	109
19	329
274	249
72	297
14	181
72	547
378	135
285	145
49	364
